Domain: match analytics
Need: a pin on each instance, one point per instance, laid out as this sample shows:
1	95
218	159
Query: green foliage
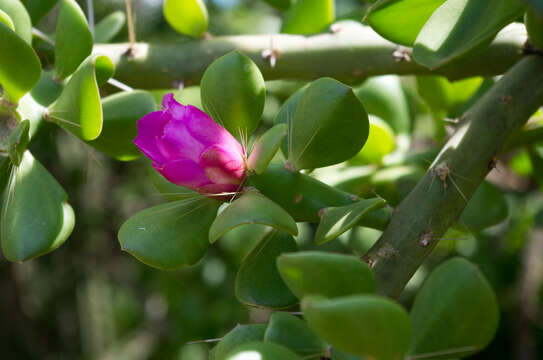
258	282
486	208
263	351
73	39
381	142
292	332
239	335
121	111
329	125
36	219
252	208
280	4
442	95
456	310
78	109
308	17
109	27
458	27
188	17
365	325
233	93
20	18
18	142
170	235
327	274
534	25
37	9
400	21
265	148
20	67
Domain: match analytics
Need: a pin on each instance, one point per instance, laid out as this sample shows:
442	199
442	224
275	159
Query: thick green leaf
239	335
47	90
188	17
258	282
327	274
21	20
455	311
20	67
252	208
459	26
30	110
340	355
18	142
187	96
384	97
380	143
262	351
365	325
170	190
73	39
329	126
78	108
336	220
487	207
308	17
121	113
292	332
109	27
280	4
170	235
534	24
37	9
36	219
400	21
233	93
285	115
6	20
535	5
442	94
265	148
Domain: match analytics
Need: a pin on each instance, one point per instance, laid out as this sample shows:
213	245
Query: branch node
426	237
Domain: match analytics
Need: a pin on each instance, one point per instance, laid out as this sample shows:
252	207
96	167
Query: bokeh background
89	300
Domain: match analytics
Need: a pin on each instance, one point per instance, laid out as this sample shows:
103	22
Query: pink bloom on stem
189	149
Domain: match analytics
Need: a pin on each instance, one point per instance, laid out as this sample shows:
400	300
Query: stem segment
440	196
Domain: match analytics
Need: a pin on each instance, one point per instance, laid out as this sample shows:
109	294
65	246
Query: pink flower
189	149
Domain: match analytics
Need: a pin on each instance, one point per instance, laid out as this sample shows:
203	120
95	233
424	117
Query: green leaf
121	113
188	17
189	95
6	20
170	235
233	93
258	282
442	94
380	143
36	219
20	18
384	97
308	17
109	27
47	90
252	208
535	5
78	108
20	67
365	325
327	274
487	207
336	220
455	310
37	9
30	110
73	39
340	355
262	351
18	142
400	21
265	148
534	24
241	334
293	333
169	190
329	126
458	27
280	4
285	115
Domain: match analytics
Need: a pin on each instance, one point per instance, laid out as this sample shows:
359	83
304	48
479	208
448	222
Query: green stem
352	54
441	195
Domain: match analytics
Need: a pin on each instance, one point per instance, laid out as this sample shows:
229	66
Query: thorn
426	237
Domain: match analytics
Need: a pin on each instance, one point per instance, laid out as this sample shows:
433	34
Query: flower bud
189	149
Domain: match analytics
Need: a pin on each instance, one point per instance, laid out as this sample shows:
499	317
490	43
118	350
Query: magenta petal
183	173
222	166
177	142
150	128
218	188
169	104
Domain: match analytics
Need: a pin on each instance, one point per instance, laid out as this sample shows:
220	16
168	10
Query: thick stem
439	198
351	54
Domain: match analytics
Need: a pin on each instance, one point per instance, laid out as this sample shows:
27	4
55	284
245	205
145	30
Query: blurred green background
89	300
